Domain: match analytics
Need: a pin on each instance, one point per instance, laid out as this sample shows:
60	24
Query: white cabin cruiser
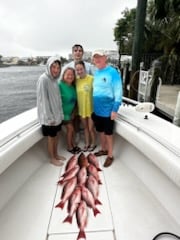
140	191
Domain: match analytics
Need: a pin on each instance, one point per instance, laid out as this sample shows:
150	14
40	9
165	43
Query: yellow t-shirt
84	95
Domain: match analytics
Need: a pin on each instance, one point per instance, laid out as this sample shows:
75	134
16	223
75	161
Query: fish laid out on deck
80	188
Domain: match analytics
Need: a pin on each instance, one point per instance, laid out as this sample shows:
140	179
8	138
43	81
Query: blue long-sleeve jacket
107	91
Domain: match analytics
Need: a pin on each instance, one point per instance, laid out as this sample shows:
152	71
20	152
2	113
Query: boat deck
138	199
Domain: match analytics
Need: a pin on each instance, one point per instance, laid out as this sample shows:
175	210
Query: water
18	89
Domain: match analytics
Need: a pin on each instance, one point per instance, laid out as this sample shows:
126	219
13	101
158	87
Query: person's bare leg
86	131
51	146
57	156
103	141
109	141
76	129
70	136
109	159
91	131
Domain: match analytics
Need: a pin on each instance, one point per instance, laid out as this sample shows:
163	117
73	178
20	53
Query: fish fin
81	235
68	219
61	182
99	169
60	205
58	183
98	202
96	211
99	181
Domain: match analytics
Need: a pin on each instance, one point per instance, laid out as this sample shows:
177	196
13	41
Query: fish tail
68	219
81	235
96	211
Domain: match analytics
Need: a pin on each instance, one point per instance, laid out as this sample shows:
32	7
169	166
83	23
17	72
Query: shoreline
19	65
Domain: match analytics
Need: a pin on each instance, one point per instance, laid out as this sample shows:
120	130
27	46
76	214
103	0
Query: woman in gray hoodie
49	107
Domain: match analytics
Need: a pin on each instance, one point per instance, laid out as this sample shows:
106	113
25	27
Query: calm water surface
18	89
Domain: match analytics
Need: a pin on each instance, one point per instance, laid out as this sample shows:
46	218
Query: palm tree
123	32
165	16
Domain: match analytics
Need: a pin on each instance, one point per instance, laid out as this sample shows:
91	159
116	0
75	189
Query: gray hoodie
49	105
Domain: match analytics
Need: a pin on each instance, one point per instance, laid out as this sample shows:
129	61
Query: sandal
91	148
71	151
77	149
108	161
85	149
74	150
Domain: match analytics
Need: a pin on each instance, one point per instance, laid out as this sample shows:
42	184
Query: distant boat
140	191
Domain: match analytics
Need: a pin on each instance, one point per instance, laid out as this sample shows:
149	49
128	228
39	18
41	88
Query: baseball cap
99	52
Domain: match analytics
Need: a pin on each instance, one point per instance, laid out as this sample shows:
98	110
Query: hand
113	115
52	123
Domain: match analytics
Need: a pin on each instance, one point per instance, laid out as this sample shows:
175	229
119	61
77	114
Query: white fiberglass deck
140	192
139	200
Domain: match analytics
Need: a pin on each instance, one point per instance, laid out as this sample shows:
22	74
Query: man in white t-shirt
77	52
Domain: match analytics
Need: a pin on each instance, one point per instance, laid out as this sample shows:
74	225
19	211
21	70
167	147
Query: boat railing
130	101
16	126
18	134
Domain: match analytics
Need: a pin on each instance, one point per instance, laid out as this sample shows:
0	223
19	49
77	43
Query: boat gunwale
16	126
152	135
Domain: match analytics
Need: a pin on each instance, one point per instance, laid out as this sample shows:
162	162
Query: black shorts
51	131
103	124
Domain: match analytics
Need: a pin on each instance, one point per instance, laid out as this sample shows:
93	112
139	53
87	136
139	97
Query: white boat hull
140	192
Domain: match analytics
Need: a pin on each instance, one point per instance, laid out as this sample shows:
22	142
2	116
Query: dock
167	99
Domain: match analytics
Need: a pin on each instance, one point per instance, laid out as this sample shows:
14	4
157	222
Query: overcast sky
49	27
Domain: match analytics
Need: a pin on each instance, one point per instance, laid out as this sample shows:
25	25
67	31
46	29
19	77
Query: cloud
46	27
